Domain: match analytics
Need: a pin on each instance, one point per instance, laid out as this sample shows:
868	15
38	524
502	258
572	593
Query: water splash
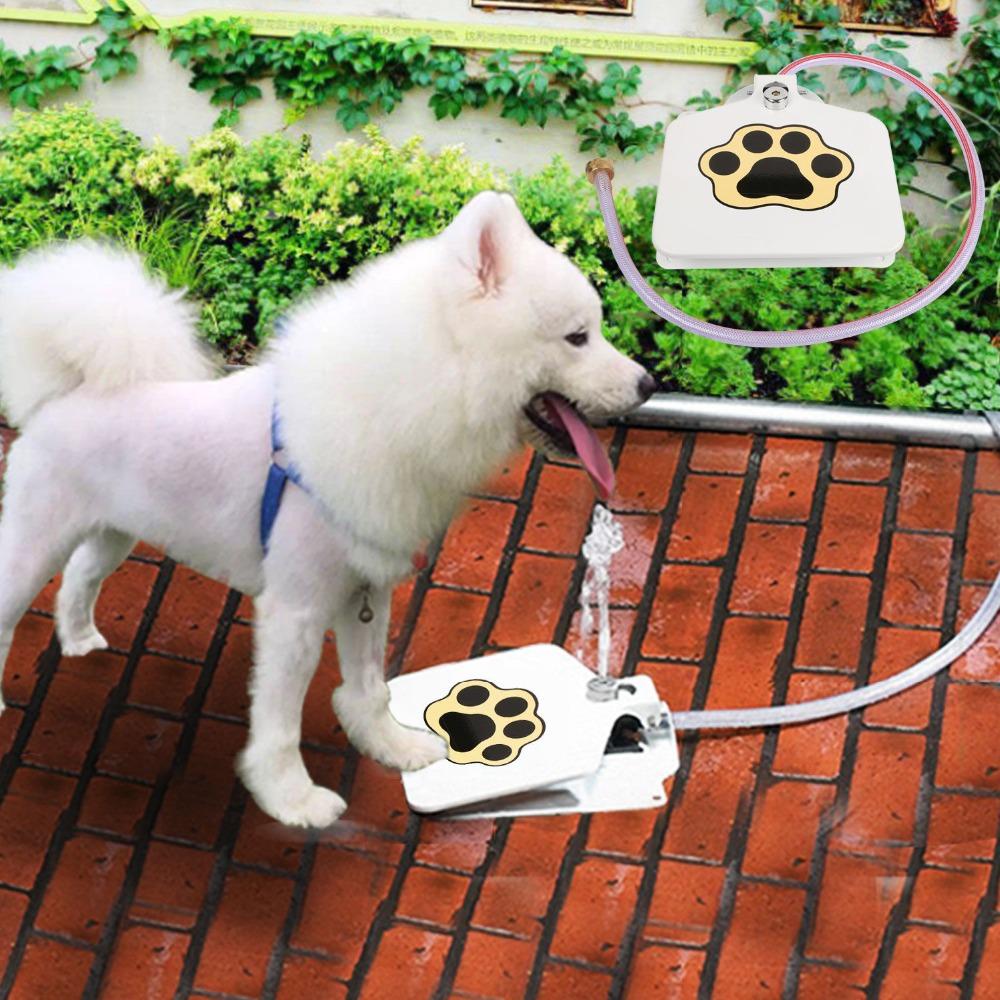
599	548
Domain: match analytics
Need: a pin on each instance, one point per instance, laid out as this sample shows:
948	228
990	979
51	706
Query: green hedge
248	227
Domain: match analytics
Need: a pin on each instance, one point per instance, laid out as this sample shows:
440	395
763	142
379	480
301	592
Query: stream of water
599	548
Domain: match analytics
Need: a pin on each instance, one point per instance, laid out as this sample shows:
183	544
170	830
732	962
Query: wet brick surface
857	856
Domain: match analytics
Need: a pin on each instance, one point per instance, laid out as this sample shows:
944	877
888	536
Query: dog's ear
486	235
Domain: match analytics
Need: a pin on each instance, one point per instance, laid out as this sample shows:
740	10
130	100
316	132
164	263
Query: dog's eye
577	339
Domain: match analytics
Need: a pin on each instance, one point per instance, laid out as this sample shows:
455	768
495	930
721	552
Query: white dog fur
399	391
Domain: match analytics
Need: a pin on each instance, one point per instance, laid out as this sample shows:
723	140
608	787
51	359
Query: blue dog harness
279	476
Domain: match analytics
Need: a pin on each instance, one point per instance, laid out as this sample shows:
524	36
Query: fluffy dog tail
88	313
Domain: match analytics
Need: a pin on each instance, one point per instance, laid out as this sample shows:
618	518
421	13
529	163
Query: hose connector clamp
600	165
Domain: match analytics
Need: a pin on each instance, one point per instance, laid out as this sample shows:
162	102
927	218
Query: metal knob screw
775	96
602	689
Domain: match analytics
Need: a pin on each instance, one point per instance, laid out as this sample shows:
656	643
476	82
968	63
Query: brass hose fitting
600	165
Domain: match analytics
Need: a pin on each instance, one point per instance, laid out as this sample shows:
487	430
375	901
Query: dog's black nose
647	386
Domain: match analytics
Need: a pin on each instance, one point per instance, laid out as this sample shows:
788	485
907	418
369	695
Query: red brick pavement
858	855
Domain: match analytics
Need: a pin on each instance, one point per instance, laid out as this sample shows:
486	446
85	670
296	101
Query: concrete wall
156	102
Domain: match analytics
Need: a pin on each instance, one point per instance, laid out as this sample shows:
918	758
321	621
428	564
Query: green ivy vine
362	75
28	79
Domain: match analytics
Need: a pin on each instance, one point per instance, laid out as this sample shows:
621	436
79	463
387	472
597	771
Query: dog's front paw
318	807
402	748
372	729
82	644
281	786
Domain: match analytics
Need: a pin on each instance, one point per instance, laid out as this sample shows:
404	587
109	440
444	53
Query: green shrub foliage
63	173
247	227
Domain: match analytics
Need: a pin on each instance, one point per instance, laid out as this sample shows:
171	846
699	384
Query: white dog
397	393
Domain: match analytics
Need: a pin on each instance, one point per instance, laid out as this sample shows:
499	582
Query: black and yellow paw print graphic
484	724
762	165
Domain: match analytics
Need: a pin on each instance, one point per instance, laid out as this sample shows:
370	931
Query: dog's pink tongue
587	445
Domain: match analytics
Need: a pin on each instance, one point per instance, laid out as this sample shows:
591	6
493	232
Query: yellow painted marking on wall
612	45
144	15
85	15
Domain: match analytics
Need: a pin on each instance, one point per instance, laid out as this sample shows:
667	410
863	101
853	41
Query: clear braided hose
823	708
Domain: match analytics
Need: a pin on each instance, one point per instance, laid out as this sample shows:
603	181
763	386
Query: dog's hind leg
288	640
38	530
92	561
362	701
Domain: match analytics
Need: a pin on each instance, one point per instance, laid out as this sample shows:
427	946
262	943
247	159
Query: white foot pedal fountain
731	174
533	731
